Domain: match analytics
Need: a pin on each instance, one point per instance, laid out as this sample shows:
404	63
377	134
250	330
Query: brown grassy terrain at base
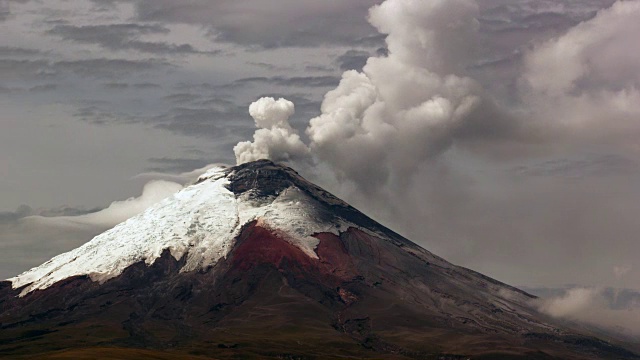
113	354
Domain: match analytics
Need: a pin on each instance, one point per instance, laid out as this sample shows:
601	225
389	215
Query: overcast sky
499	134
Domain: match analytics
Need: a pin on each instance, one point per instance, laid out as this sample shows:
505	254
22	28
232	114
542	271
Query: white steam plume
401	110
275	138
413	104
405	107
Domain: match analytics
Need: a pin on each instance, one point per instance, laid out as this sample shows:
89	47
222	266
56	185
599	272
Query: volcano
255	262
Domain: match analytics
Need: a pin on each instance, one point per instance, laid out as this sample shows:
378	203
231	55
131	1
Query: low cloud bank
614	310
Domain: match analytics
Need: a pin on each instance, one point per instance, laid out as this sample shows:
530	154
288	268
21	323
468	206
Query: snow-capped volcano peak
258	252
201	222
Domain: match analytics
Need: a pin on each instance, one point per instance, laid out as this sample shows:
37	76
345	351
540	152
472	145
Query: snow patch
293	215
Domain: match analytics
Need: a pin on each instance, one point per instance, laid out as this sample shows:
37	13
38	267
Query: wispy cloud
280	23
293	81
124	37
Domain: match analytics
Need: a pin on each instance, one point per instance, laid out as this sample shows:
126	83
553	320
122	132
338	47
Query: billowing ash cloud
405	107
402	108
275	138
